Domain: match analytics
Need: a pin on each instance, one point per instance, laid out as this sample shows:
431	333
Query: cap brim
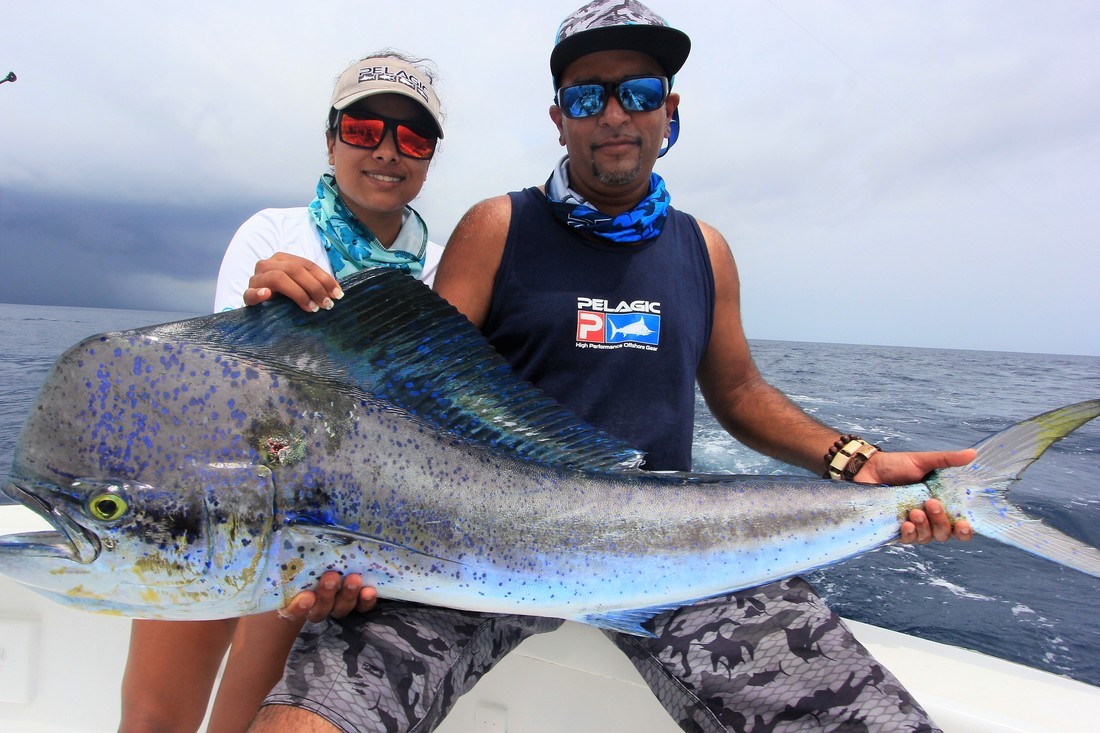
358	96
669	46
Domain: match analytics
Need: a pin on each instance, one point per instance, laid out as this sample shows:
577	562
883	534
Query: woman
384	124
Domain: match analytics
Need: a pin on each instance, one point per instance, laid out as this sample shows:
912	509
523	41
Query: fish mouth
68	540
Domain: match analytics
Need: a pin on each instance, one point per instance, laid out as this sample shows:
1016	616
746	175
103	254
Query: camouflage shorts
772	658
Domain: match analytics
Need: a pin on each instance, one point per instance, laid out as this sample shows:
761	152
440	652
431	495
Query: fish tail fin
979	490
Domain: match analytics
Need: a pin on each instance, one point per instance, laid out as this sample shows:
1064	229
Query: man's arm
749	408
764	419
472	257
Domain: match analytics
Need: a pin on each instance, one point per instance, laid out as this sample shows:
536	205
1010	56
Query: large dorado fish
216	466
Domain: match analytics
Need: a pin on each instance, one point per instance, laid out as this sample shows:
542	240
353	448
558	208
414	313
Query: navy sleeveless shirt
613	331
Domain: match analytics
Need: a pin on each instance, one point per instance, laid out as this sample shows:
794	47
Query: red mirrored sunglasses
367	131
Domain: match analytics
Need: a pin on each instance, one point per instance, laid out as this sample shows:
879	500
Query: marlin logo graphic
638	327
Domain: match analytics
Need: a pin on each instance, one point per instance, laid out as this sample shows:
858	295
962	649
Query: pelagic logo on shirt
606	325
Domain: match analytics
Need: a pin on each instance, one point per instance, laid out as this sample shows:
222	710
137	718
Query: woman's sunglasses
635	94
368	131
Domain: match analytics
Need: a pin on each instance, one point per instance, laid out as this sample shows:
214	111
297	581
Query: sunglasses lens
369	132
361	133
414	143
640	94
582	100
643	94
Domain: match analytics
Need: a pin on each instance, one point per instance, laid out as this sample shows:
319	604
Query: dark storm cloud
83	252
930	164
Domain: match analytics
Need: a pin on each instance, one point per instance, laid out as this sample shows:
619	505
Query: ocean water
981	595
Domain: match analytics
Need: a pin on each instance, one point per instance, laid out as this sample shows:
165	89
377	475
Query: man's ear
672	103
558	118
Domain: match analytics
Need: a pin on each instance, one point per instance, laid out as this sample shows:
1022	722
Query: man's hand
334	596
930	523
299	279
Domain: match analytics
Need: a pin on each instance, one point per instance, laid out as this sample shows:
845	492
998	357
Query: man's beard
616	177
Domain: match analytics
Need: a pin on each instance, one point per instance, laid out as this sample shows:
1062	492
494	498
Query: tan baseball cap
386	75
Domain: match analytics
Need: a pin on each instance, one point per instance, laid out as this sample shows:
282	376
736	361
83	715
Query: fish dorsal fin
393	337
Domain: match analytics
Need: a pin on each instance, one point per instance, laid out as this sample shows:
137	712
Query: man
540	271
543	273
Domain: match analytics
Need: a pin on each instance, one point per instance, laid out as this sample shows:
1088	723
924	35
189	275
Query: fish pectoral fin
336	539
342	537
627	622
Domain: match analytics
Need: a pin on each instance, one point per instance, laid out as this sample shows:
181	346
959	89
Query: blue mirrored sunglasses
635	94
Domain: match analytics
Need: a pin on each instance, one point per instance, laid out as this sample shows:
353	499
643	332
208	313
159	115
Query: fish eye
107	507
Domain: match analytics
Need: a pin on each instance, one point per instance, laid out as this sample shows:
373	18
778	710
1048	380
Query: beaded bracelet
847	456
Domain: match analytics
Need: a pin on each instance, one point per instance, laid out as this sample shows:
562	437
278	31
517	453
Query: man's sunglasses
635	94
413	141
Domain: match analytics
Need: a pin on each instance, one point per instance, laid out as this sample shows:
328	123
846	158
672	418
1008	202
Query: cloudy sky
912	172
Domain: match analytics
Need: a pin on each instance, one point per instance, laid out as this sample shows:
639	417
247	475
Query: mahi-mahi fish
216	466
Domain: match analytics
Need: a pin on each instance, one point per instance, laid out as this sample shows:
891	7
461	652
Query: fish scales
215	467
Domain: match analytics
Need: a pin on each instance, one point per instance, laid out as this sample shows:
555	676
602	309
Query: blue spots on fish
140	367
465	482
435	366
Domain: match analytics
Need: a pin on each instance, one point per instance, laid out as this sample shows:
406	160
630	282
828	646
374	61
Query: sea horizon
194	314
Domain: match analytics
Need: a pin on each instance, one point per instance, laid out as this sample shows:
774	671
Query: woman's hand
299	279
